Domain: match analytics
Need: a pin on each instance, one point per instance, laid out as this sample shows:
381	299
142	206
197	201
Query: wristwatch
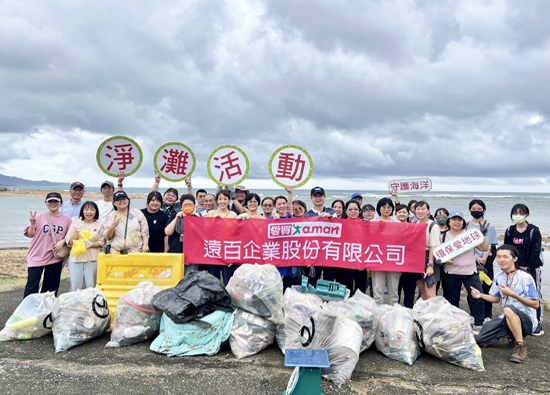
119	185
430	265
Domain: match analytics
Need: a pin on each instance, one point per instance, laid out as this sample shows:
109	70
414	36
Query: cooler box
117	274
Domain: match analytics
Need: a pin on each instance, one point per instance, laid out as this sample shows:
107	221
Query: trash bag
362	309
445	332
259	290
395	337
250	334
78	317
178	340
345	343
31	319
135	317
197	295
298	312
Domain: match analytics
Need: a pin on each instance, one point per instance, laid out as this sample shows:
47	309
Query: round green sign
177	158
119	153
226	163
290	168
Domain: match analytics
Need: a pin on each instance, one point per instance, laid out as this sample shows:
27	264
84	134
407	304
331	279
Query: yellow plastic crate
117	274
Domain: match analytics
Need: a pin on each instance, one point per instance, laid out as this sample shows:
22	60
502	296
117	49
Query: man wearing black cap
318	198
72	206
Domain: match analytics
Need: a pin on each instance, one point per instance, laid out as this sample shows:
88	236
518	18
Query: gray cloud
438	88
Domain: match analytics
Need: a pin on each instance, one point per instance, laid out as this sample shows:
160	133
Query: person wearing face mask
441	217
527	239
484	259
174	230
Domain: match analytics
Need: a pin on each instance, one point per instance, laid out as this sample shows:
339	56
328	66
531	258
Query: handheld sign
228	165
174	161
119	153
290	165
459	245
410	185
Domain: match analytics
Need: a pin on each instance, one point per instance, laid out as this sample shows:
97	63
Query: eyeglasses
267	205
368	211
78	190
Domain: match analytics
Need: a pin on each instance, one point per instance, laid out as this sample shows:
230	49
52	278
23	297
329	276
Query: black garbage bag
197	295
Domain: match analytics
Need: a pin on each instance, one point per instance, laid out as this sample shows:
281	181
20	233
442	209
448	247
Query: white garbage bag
395	337
136	319
79	317
446	333
31	319
250	334
258	289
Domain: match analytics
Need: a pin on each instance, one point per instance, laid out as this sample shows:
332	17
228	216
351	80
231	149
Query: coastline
37	193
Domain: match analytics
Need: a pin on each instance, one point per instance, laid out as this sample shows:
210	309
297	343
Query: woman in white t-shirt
426	281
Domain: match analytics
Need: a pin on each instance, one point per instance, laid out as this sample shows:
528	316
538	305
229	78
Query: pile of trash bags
197	318
79	317
136	319
445	332
395	337
310	324
31	319
257	290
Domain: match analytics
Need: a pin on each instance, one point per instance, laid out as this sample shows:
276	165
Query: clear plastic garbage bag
136	319
250	334
446	333
79	317
363	310
31	319
258	289
395	337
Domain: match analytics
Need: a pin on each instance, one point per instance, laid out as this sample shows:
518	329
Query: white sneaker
486	319
476	329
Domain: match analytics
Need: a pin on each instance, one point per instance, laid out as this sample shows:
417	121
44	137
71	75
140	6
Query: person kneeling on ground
520	300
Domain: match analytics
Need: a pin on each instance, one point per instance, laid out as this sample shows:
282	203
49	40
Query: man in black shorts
520	301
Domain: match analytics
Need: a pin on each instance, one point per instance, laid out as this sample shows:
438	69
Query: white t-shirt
432	238
105	209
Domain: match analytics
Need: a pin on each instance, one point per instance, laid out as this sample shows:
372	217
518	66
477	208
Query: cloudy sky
375	90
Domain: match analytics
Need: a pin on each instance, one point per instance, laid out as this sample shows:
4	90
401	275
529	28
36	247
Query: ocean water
14	211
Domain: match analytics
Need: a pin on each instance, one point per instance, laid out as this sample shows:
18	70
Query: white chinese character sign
119	153
228	165
290	165
459	245
174	161
410	185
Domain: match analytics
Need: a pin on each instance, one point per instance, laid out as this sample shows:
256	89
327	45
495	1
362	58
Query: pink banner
378	246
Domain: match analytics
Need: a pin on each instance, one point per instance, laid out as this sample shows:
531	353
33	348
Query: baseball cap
54	196
107	183
119	194
241	188
356	195
77	184
317	190
456	213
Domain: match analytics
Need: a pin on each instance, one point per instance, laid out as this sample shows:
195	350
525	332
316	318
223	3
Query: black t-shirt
157	223
518	239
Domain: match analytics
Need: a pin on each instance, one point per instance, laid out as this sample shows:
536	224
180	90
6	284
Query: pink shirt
464	264
40	251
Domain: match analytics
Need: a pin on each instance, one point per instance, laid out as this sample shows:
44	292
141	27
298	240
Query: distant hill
15	181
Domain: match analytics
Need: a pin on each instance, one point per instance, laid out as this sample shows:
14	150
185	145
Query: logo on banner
459	245
290	165
119	153
174	161
411	185
228	165
304	229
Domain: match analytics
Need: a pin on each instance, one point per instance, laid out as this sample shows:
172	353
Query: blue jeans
454	283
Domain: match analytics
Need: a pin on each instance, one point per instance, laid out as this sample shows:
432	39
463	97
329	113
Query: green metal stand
306	377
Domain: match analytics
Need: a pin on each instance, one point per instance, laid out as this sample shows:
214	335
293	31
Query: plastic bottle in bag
31	319
395	336
136	319
250	334
79	317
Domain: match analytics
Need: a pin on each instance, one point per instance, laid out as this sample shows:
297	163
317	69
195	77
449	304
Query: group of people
113	226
